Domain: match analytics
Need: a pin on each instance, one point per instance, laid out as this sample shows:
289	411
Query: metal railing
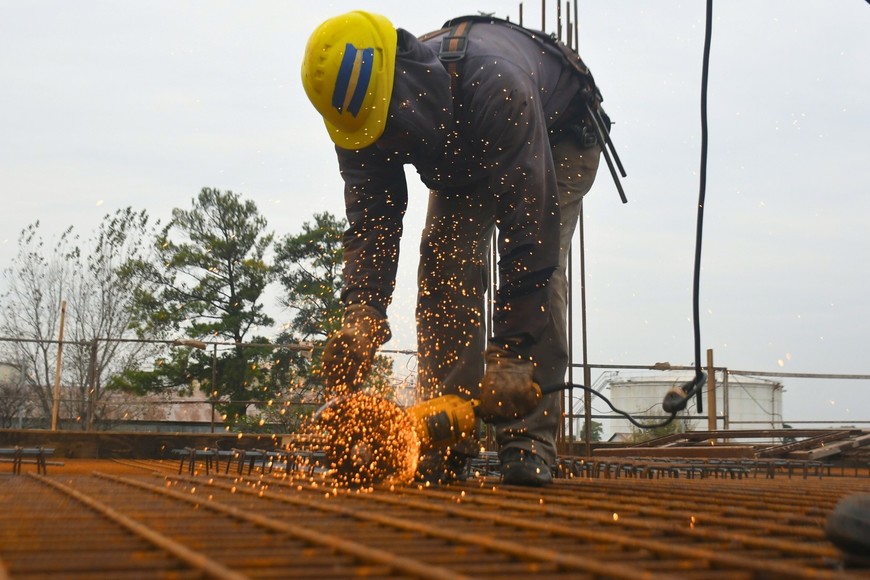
716	392
120	412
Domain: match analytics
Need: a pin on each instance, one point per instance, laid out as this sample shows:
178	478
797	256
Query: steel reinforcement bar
165	525
649	517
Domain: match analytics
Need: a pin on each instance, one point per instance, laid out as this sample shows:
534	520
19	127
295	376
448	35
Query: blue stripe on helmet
362	85
343	78
345	74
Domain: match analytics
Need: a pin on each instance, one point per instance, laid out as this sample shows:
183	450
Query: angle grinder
368	439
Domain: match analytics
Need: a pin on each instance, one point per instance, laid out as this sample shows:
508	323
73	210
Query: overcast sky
105	105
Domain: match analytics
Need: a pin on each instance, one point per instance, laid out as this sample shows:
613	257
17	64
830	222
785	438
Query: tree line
148	304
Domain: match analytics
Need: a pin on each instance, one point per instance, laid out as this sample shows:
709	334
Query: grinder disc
367	440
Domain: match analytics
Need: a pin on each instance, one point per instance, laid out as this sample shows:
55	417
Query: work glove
507	391
350	351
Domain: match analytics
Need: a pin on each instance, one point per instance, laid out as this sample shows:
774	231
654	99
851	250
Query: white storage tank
741	402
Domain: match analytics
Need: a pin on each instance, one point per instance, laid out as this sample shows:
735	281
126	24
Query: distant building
9	373
12	403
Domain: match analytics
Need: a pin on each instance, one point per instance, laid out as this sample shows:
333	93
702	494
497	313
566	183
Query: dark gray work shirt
513	90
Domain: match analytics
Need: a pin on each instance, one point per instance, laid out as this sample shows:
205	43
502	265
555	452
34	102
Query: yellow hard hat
347	72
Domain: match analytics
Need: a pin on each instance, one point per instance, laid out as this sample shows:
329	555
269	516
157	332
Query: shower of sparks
367	440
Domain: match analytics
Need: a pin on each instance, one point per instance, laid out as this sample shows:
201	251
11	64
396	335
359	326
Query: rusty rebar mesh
143	519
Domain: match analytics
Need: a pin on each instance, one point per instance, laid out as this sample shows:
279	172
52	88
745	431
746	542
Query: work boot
440	468
848	528
521	467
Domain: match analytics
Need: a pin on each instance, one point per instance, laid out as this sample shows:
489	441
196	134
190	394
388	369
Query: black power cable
632	420
678	398
702	196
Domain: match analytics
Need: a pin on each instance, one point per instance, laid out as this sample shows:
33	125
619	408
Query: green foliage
291	394
202	276
309	267
678	425
597	431
172	371
210	271
206	281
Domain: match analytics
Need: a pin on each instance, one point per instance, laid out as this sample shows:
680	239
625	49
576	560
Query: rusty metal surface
144	520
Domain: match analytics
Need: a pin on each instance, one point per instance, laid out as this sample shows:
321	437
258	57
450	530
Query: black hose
567	386
702	195
677	399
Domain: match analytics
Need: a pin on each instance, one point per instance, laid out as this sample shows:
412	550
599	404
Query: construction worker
494	119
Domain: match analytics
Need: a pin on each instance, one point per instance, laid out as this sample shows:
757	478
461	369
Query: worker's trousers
452	311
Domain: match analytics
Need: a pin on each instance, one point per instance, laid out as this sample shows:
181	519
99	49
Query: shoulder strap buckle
455	42
453	48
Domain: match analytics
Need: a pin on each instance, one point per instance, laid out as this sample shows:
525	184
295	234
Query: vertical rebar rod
587	371
569	28
569	393
92	392
576	27
711	392
726	421
55	406
214	387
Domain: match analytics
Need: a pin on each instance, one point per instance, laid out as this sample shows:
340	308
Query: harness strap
452	53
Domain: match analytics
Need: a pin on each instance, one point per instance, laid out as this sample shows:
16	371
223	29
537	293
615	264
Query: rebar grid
164	525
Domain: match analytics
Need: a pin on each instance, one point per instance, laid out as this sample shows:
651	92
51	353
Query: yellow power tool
366	438
443	421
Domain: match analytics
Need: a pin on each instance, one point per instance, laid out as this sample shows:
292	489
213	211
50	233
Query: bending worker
495	119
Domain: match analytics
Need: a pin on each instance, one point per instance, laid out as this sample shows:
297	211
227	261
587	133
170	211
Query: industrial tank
742	402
